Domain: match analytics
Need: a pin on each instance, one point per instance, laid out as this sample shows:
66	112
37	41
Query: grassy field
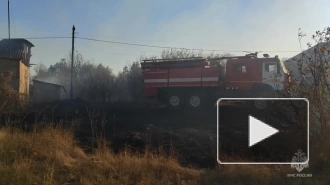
51	156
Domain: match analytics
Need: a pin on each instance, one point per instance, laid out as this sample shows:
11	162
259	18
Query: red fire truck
194	82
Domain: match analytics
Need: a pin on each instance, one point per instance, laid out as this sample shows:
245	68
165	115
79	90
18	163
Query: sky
221	25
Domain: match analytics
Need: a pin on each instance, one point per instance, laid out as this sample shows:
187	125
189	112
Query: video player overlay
262	131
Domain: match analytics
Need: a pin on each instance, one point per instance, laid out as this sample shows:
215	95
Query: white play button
259	131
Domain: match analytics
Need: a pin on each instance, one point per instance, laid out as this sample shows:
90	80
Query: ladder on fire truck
193	62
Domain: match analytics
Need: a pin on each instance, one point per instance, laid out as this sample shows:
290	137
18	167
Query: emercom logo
299	156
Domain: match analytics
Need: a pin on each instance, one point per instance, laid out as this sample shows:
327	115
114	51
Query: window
239	69
278	69
270	67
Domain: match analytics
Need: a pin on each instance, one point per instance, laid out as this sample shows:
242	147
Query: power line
164	47
162	42
133	44
48	38
222	45
146	45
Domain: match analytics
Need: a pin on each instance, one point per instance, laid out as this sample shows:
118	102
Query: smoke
48	79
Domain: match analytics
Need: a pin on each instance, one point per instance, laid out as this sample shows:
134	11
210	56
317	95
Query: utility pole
72	57
8	20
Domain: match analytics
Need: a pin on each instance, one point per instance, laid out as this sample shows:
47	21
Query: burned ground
188	134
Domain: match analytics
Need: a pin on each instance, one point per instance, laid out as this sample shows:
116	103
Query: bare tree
309	74
92	82
10	100
41	70
98	83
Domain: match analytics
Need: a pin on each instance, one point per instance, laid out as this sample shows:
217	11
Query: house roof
310	51
47	83
14	43
13	48
15	55
296	68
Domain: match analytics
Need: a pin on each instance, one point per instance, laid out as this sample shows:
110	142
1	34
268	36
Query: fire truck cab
246	73
195	82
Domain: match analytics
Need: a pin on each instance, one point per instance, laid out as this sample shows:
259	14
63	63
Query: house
47	92
15	57
292	65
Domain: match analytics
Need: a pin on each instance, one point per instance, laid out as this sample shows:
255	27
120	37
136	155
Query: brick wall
24	79
21	74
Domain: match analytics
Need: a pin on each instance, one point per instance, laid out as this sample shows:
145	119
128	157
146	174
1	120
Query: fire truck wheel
174	101
195	100
261	92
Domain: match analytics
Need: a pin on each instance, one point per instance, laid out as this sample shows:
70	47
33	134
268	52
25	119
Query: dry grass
50	156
